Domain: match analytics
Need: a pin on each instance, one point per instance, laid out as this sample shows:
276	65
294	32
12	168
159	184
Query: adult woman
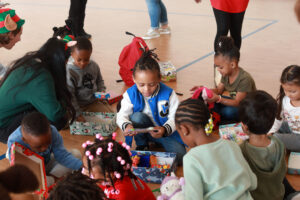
37	81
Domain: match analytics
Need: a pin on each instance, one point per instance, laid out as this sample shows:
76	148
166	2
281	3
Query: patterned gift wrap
156	175
233	132
168	71
294	163
97	122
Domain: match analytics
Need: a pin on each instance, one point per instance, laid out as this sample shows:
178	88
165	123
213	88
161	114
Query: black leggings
229	21
16	122
77	13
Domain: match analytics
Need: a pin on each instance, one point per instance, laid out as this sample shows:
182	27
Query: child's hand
193	89
128	132
80	118
197	1
158	132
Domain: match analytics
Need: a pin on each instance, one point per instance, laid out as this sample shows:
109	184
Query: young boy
84	77
36	134
265	154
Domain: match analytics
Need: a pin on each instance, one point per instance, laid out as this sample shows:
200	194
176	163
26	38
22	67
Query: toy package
97	122
110	96
168	71
153	166
21	155
294	163
233	132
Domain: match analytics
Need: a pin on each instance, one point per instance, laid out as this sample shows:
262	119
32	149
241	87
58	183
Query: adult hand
128	132
80	118
214	98
197	1
158	132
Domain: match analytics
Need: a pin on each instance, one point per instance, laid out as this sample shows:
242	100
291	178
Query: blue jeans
157	12
227	113
170	144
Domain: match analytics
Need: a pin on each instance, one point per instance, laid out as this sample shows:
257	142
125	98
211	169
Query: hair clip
122	162
110	145
99	151
91	157
209	126
58	37
87	153
114	135
84	145
220	44
99	137
117	175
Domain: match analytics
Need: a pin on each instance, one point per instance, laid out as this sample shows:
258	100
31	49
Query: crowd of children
66	80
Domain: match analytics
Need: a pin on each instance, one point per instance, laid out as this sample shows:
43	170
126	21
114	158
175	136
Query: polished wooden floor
271	42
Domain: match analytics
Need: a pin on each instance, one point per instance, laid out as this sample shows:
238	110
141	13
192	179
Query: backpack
128	57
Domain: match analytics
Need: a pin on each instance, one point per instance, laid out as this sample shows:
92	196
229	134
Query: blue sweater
56	147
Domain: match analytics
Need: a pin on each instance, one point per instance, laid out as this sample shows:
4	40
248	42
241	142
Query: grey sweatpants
290	140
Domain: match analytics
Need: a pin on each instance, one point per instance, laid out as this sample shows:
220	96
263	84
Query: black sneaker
84	34
142	148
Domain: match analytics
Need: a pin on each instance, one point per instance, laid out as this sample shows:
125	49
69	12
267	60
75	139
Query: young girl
287	122
150	103
213	168
235	81
84	78
110	163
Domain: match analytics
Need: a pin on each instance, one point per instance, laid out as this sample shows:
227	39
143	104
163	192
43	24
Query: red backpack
128	57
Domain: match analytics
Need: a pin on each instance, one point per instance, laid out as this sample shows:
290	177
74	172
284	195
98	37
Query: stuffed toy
172	188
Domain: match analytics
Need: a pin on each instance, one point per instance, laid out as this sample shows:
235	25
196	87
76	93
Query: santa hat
9	20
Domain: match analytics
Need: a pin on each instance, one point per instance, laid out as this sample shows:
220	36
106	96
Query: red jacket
231	6
128	189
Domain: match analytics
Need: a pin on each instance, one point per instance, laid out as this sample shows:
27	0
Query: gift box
168	71
24	156
233	132
294	163
96	123
110	96
154	174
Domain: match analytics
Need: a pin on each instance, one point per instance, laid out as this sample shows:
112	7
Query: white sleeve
173	104
125	111
276	126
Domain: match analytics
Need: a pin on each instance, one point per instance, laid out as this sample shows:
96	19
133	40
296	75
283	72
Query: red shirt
128	190
231	6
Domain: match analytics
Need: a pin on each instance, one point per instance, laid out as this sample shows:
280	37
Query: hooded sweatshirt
268	163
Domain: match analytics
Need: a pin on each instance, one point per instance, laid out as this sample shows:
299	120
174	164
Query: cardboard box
155	175
168	71
21	155
97	122
294	163
233	132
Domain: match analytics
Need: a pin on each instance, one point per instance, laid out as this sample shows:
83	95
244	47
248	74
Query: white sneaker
165	30
152	33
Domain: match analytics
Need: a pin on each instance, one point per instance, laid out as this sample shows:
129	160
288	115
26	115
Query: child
150	103
83	76
76	186
110	163
36	134
265	154
235	80
286	126
213	168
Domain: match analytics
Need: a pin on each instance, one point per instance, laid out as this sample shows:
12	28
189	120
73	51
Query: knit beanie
9	20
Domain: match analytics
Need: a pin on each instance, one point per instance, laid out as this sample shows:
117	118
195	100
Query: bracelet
220	99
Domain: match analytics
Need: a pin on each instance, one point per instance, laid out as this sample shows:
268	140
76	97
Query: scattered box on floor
154	174
233	132
294	163
96	122
168	71
21	155
110	96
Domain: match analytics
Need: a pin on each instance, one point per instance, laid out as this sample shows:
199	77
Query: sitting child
235	81
84	79
265	154
150	103
36	134
109	162
213	168
77	186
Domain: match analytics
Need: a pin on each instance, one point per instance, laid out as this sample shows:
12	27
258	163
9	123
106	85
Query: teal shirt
39	94
217	170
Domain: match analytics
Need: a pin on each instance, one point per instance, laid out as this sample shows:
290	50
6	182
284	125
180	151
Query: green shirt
217	170
17	96
243	83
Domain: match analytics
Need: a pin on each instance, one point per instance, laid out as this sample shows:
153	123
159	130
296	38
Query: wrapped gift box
294	163
233	132
154	174
96	122
110	96
168	71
